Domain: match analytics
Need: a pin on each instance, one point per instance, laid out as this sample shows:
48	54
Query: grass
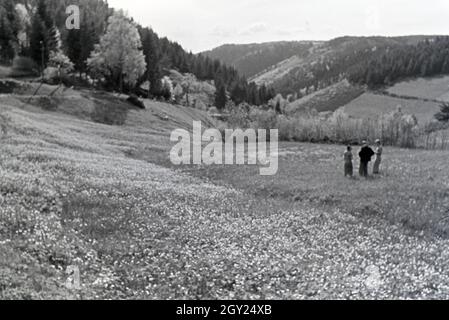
106	199
427	88
373	105
412	190
328	99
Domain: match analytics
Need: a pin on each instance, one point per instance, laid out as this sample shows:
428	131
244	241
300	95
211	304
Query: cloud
255	28
264	20
221	32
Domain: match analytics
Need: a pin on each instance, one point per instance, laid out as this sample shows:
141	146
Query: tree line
390	64
373	61
36	28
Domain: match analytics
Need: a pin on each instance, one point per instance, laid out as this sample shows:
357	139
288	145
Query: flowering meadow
105	199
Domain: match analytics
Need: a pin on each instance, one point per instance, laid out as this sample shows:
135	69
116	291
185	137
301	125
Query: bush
135	101
443	115
51	75
60	61
238	116
395	129
261	119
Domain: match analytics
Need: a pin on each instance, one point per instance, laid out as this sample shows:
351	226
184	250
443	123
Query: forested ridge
33	26
371	61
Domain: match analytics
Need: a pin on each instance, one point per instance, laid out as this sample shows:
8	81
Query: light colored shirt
348	157
379	151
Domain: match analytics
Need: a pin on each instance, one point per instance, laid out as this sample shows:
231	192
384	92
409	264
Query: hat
378	141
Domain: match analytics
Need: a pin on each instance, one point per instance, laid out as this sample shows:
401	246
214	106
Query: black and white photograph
198	151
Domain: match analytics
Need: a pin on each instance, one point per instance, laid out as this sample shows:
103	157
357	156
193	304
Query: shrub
51	75
287	128
395	129
261	119
61	62
238	116
443	115
134	100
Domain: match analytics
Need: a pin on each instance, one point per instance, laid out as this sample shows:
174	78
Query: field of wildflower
105	199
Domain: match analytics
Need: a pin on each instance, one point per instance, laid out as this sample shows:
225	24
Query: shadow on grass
110	110
109	114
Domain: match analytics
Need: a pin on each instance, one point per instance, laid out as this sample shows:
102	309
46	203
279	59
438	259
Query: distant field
278	71
328	99
428	88
370	105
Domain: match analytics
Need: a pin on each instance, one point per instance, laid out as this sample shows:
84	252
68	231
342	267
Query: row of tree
111	46
428	58
162	55
373	61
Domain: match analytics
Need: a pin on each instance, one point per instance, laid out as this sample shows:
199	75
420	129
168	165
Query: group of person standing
366	154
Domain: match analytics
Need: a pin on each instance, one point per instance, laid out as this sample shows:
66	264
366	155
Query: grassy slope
105	199
373	105
436	88
277	71
328	99
418	96
251	59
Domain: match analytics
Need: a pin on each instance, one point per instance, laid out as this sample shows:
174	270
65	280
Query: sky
200	25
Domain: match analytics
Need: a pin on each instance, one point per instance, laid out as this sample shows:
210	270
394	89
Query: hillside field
371	105
328	99
105	198
421	97
436	88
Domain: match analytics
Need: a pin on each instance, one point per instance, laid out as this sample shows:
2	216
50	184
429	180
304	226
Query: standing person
348	162
365	154
379	151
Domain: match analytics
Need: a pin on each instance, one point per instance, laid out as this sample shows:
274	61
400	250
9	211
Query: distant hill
290	67
251	59
421	97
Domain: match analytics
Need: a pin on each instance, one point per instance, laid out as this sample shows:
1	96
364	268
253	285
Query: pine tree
40	38
278	107
443	115
38	41
73	48
54	39
220	97
9	29
152	53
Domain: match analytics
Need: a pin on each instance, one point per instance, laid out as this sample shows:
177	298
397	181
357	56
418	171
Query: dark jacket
366	154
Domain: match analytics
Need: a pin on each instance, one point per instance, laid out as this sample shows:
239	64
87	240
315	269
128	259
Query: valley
112	138
106	199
